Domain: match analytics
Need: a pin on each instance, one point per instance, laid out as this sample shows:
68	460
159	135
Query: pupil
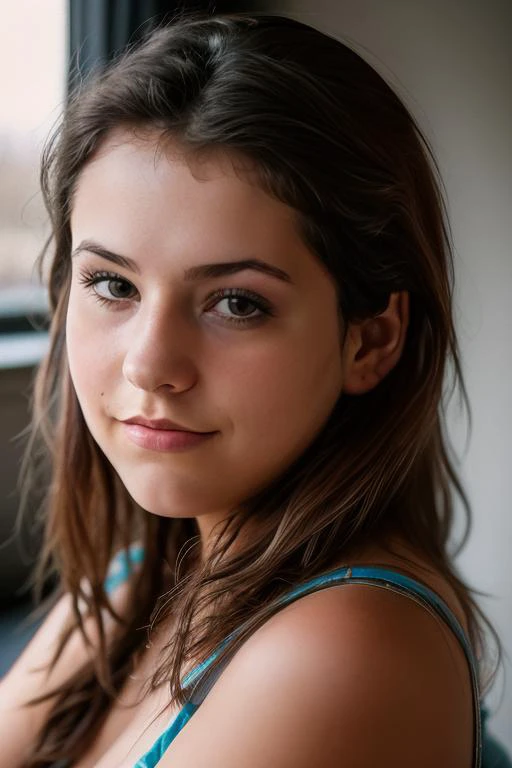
236	301
117	286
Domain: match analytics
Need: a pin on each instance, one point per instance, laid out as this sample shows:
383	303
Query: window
33	83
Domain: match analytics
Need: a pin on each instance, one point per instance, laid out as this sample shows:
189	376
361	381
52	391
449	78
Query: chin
164	504
174	498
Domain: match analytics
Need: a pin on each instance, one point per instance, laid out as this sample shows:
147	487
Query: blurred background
451	62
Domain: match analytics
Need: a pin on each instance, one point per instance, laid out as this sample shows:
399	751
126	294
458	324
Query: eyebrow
199	272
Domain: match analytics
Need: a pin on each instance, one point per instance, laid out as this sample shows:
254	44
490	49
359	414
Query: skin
164	348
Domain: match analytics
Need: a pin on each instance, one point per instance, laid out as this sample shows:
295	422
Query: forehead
145	157
169	209
141	166
140	193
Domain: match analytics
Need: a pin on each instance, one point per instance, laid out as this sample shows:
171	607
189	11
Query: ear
374	346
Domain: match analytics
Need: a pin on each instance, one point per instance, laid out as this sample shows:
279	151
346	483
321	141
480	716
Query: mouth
167	439
162	425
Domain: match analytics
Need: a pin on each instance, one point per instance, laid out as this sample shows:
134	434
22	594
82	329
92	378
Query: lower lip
165	439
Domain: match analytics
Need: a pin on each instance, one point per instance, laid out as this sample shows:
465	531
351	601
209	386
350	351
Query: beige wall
451	61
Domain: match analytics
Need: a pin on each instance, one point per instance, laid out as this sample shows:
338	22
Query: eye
240	306
107	287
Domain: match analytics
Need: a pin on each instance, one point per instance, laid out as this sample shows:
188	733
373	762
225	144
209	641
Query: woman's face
193	299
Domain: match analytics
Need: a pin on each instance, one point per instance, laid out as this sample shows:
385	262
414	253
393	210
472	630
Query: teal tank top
488	753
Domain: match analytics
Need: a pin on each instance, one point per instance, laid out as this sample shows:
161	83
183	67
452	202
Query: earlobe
374	346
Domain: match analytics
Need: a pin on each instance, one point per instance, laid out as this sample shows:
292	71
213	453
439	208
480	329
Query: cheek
289	387
88	358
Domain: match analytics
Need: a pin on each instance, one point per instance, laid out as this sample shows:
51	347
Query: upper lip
157	424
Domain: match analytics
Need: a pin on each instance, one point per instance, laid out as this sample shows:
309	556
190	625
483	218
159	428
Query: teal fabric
494	754
153	755
121	566
491	754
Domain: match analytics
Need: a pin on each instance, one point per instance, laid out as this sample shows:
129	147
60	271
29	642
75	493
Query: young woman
251	498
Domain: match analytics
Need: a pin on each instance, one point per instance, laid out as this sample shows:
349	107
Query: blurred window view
32	83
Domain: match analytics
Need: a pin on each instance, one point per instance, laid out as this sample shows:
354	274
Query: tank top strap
121	566
385	578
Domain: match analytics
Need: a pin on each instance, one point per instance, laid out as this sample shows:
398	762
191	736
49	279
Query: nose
160	353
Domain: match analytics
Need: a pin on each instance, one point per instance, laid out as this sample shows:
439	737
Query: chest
134	721
127	735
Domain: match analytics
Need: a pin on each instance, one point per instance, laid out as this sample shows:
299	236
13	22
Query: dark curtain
98	29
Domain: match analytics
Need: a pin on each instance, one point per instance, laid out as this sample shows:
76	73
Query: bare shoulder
355	676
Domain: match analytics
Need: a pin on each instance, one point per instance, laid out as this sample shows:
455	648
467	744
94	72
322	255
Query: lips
161	424
164	440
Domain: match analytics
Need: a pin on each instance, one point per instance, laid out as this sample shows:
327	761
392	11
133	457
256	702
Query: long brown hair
332	140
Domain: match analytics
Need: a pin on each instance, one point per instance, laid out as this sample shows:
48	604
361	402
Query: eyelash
92	278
